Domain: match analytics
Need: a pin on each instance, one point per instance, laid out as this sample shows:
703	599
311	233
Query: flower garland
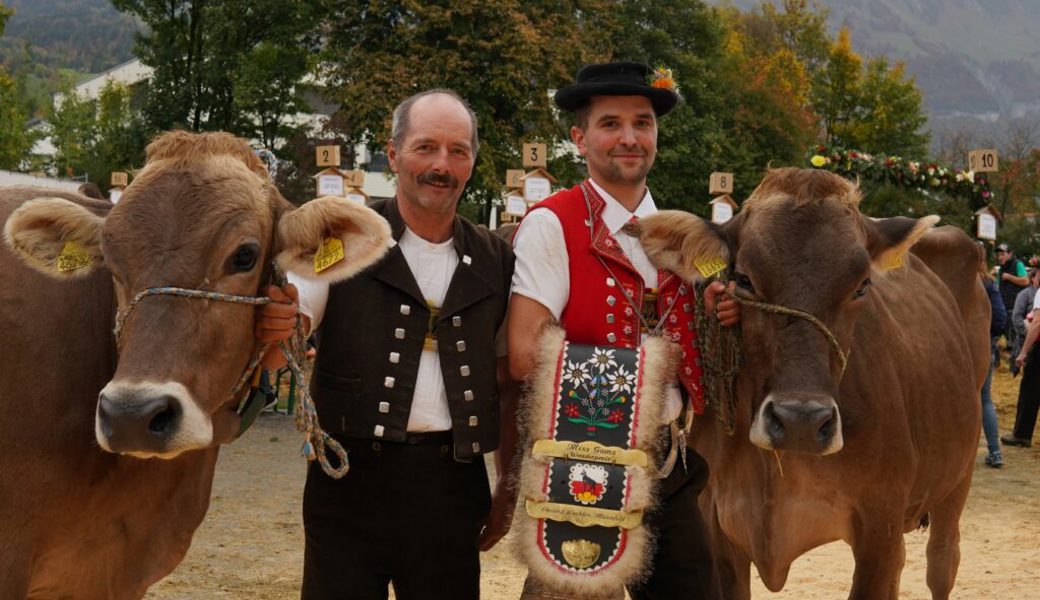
904	173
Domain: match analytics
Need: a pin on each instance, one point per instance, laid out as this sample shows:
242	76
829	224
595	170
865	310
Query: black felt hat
616	79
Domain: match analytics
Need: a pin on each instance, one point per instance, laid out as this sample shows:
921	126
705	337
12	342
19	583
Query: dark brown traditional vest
373	332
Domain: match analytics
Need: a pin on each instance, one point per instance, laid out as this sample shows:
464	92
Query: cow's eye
862	289
743	281
244	258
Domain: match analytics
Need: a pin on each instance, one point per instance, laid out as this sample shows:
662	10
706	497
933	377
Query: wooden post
723	207
118	183
986	222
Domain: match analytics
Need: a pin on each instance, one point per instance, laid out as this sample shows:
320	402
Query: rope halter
317	443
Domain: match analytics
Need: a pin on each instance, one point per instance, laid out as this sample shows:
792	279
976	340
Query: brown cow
820	454
77	521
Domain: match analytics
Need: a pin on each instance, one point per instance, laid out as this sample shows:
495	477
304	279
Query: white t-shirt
542	263
432	265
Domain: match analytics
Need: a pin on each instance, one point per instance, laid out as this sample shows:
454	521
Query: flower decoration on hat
661	78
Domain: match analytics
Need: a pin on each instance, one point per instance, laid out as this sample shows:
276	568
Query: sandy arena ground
251	544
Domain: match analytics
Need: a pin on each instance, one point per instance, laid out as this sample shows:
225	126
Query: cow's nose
138	424
801	426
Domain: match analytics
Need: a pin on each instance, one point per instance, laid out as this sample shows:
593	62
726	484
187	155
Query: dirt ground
251	544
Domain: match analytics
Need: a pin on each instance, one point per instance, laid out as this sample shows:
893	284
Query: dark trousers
406	514
682	564
1028	396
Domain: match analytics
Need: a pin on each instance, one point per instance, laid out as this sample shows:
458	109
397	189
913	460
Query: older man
407	379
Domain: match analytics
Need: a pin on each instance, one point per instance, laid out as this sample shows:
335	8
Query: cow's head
202	214
799	242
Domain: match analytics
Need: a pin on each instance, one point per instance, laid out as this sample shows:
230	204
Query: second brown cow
823	451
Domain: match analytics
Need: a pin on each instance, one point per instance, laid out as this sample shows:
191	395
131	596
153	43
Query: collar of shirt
615	215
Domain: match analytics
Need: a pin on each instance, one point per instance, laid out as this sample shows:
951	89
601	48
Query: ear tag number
710	266
330	253
73	257
894	260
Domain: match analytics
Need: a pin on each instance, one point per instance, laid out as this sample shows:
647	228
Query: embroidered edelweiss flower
575	373
662	78
622	380
602	358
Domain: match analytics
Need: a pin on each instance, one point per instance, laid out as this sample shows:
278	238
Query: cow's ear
364	236
56	237
682	243
888	240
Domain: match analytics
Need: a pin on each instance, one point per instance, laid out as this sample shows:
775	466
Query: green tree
5	14
873	107
888	116
16	141
206	54
94	138
502	56
73	131
835	90
765	85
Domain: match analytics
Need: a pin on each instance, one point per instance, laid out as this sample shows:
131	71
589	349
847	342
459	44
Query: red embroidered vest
597	311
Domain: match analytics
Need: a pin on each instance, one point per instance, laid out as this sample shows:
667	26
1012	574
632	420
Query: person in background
1011	277
1027	359
1023	304
997	326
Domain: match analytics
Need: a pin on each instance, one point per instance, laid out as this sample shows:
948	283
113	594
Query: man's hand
276	321
503	503
727	310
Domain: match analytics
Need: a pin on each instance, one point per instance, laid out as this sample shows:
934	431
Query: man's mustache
439	179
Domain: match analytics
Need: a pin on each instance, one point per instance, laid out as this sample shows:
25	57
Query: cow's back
60	495
955	259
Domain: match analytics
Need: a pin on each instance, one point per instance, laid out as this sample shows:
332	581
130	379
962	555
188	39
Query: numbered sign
534	155
354	178
536	188
358	197
720	183
983	161
327	156
120	178
515	179
515	205
330	184
986	226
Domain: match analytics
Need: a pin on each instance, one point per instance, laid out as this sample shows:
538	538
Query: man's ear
888	240
301	232
56	237
683	243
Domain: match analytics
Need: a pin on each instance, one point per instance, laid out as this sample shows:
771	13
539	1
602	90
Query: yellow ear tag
329	253
73	257
711	266
894	260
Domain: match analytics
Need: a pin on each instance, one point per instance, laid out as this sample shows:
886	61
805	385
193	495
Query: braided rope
783	310
720	352
317	443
